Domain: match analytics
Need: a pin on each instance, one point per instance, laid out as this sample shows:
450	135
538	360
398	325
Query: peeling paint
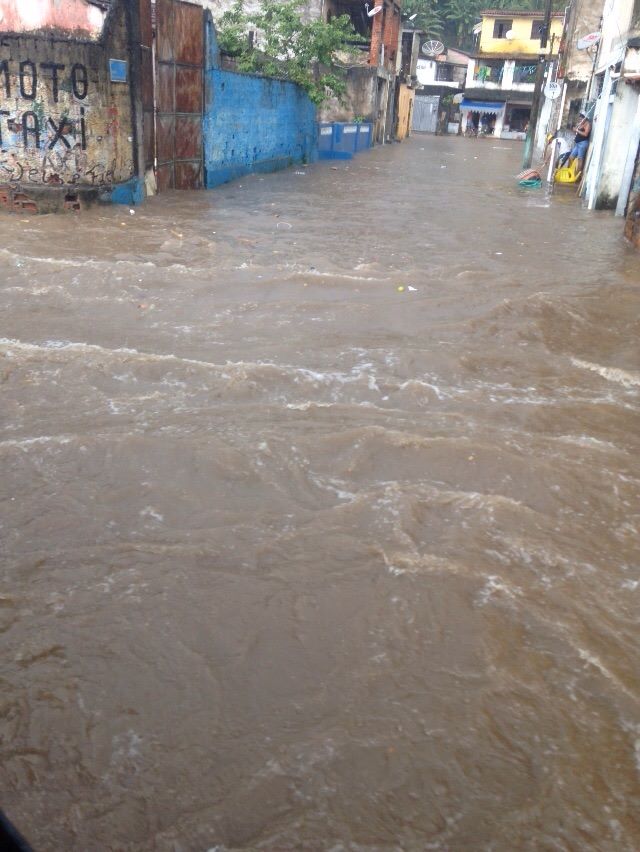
75	17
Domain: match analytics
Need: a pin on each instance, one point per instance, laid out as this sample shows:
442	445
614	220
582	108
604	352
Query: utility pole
537	90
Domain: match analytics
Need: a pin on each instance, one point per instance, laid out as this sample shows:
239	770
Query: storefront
516	121
482	118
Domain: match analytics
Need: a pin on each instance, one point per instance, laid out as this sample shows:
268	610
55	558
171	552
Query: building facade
577	55
615	88
501	73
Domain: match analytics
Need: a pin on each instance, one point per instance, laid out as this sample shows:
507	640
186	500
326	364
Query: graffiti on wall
55	127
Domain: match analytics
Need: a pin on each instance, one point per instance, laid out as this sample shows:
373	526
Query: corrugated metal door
425	113
179	82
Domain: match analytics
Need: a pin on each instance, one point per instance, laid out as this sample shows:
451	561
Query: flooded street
296	559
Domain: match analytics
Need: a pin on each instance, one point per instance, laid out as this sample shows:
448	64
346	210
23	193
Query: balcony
486	73
501	74
524	76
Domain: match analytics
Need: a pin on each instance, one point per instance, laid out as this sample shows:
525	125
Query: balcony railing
524	73
489	72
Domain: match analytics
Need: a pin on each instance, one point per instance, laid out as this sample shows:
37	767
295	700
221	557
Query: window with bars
444	72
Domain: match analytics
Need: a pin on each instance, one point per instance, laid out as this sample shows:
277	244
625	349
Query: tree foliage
288	48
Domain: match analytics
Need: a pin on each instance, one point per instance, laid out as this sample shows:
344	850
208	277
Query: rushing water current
320	513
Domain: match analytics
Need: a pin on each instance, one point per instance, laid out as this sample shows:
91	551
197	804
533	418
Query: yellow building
501	73
505	32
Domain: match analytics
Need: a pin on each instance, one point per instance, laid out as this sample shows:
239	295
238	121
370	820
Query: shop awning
491	107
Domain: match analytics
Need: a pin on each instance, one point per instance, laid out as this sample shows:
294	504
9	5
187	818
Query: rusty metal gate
179	94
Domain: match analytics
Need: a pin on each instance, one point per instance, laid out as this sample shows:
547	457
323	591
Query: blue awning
492	107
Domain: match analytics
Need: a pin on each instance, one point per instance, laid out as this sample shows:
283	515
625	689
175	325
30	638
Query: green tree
232	30
428	14
462	15
288	48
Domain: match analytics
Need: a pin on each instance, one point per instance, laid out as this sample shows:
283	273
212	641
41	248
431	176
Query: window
536	29
501	28
444	72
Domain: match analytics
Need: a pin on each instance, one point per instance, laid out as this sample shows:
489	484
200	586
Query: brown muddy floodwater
294	560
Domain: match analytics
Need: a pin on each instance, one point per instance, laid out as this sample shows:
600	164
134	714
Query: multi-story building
501	72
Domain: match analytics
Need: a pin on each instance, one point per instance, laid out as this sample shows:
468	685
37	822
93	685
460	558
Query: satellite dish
374	11
432	48
509	35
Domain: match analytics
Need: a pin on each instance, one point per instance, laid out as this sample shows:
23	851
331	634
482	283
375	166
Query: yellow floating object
568	174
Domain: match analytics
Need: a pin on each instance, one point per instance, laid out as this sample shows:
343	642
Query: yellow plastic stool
568	174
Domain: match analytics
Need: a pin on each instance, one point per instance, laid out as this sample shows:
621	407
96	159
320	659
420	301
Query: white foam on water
151	512
25	443
494	587
420	383
106	264
611	374
12	346
335	486
589	441
597	663
305	406
319	274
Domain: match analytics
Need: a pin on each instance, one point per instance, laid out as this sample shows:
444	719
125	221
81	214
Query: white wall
617	142
616	17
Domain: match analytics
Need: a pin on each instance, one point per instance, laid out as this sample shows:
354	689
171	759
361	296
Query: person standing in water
581	141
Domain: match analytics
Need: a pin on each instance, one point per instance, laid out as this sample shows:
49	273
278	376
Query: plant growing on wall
288	48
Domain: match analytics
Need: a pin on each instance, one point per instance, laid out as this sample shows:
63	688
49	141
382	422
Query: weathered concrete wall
584	18
74	17
252	123
632	225
360	101
63	123
312	10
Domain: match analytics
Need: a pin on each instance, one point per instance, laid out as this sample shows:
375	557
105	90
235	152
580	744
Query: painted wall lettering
2	112
58	128
30	125
58	131
28	79
79	81
4	70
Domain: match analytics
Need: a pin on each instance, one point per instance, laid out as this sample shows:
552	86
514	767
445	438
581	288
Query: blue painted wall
253	124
